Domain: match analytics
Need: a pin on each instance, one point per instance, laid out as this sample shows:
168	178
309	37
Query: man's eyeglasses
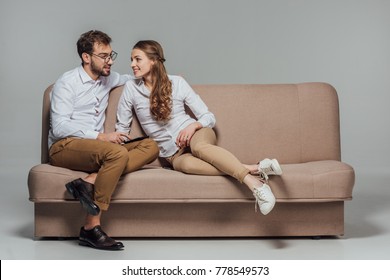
106	57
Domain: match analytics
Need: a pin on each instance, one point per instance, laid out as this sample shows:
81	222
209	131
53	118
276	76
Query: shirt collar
85	78
139	81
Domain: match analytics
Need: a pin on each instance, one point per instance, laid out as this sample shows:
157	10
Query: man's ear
86	58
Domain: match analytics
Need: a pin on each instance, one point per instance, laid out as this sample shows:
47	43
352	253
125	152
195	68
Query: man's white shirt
78	104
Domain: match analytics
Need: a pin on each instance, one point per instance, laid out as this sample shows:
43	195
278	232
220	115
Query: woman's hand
185	135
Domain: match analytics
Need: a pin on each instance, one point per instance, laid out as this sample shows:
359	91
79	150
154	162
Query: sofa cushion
313	181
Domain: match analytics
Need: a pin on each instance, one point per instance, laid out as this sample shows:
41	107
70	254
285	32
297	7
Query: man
77	141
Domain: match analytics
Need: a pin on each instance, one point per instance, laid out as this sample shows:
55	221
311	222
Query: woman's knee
202	138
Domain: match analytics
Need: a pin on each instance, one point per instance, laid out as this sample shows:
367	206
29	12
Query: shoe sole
276	167
87	204
87	244
69	187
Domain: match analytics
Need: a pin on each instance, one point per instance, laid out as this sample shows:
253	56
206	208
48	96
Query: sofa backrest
45	125
294	123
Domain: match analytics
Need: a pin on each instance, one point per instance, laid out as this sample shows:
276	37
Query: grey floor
367	232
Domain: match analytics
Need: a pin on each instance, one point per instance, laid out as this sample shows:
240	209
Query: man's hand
113	137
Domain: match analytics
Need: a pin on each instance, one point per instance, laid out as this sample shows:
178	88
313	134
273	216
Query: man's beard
98	71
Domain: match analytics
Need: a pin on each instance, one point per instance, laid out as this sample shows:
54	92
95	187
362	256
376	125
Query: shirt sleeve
61	110
196	104
125	113
118	80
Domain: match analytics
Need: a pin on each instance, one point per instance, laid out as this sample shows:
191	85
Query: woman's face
140	63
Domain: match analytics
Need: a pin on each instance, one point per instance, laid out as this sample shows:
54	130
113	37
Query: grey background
344	43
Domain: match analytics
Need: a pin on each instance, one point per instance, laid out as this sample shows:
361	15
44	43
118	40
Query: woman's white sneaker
264	198
268	167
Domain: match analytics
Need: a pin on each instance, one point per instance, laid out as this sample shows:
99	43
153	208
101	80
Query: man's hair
88	39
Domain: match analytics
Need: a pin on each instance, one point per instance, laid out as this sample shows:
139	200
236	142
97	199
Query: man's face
101	60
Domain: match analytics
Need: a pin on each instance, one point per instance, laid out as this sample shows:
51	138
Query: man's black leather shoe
83	191
98	239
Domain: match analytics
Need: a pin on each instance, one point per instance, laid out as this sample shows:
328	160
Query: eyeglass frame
106	59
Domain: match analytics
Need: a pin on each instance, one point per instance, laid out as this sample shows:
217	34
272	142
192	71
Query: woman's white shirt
136	97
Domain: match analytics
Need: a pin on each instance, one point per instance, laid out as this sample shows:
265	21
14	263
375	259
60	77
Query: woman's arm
204	117
196	104
125	113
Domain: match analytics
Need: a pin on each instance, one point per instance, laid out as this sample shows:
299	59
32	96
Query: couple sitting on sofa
76	139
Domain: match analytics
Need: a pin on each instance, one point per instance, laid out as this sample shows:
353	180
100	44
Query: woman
188	144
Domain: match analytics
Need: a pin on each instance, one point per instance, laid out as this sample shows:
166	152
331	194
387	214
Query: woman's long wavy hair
161	94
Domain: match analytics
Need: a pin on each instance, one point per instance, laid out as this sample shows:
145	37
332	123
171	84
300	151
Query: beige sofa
296	123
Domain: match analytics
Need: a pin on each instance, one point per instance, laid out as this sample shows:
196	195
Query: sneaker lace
267	169
263	172
258	194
